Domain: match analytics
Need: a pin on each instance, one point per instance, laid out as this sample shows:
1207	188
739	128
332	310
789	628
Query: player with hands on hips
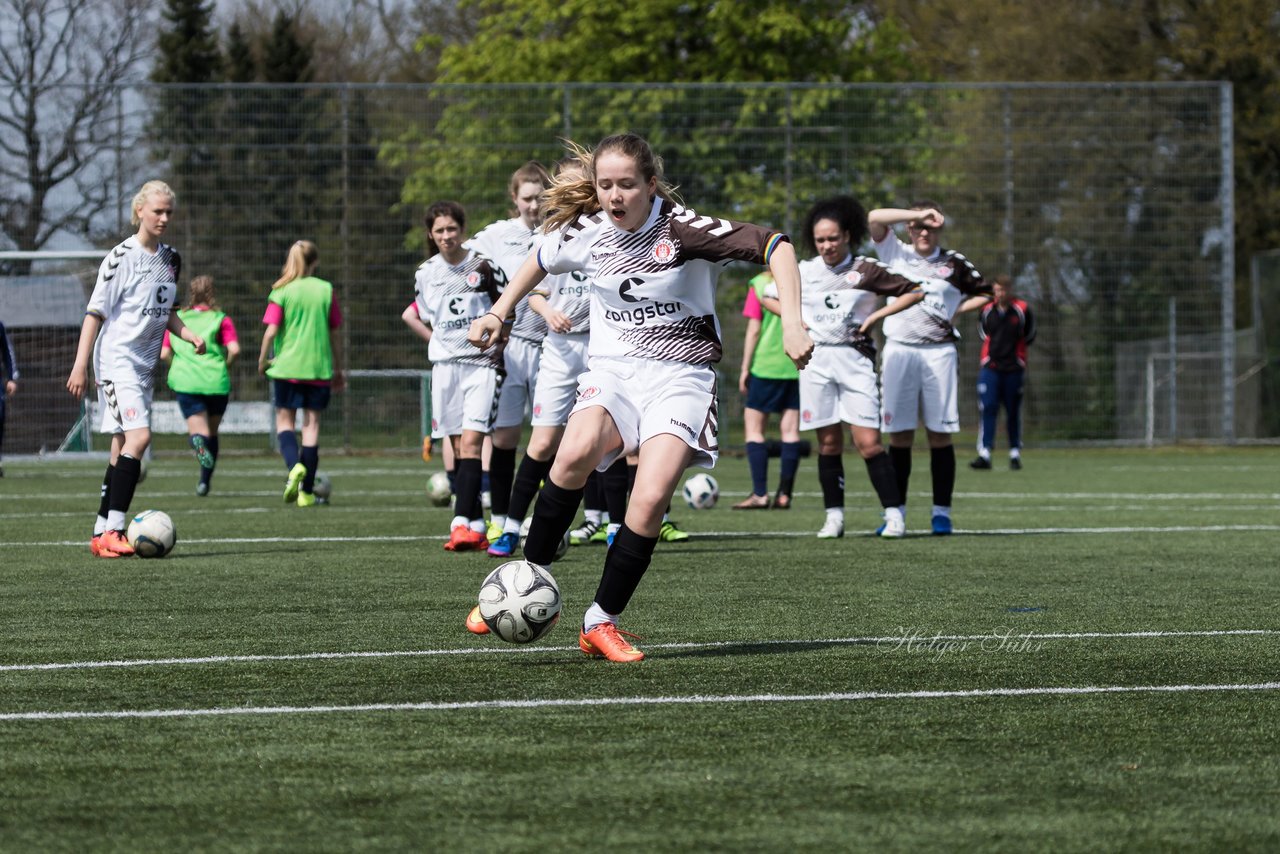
132	304
655	339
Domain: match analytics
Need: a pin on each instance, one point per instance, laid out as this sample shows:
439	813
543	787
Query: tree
62	66
728	148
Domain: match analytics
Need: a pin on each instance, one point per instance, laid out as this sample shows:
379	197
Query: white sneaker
894	528
831	529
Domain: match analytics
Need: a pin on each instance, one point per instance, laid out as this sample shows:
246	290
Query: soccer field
1091	663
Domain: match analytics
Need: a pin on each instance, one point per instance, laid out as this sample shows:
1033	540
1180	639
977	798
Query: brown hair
532	172
437	210
572	195
302	260
200	292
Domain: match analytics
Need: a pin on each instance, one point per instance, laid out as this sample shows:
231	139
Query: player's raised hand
931	218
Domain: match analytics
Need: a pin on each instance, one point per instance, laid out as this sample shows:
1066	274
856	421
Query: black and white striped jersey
569	293
654	288
134	296
449	297
509	243
946	277
836	300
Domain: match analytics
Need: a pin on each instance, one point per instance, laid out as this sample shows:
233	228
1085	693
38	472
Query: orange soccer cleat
111	544
463	539
475	623
606	640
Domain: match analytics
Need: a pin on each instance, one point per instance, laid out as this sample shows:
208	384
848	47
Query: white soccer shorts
918	382
521	357
124	406
839	386
463	397
564	359
648	398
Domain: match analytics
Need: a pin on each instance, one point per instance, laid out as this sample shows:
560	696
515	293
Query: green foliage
188	48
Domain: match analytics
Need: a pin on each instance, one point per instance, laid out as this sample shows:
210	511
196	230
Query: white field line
896	640
690	700
1129	529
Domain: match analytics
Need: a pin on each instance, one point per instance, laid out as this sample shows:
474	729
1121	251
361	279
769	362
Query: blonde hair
149	189
573	193
200	292
303	257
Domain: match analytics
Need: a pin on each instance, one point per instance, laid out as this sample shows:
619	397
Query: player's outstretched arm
902	303
880	220
177	327
786	275
486	329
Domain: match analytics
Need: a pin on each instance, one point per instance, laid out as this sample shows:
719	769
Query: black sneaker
1015	463
980	463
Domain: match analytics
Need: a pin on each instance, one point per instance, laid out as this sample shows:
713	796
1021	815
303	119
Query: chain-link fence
1110	205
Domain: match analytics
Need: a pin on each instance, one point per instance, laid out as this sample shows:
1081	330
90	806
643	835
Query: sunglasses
918	228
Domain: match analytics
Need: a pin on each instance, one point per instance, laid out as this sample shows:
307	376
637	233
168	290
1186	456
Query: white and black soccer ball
701	492
151	533
438	489
322	488
519	601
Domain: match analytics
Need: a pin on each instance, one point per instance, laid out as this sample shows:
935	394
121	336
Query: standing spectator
1007	327
453	287
507	243
769	383
202	382
655	339
129	310
8	382
919	368
302	354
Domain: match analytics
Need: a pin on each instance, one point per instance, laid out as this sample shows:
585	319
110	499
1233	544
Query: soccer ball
701	491
519	601
438	489
322	488
151	533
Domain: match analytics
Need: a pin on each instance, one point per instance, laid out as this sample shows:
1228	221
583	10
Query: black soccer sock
553	514
624	566
613	488
104	496
831	479
901	458
883	479
288	442
593	494
942	466
790	465
123	483
310	458
502	470
528	477
467	480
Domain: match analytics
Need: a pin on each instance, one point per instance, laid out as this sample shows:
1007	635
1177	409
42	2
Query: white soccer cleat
893	529
831	529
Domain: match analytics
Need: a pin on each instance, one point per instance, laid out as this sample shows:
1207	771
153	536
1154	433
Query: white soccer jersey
947	277
836	300
449	298
509	242
654	289
570	294
134	295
